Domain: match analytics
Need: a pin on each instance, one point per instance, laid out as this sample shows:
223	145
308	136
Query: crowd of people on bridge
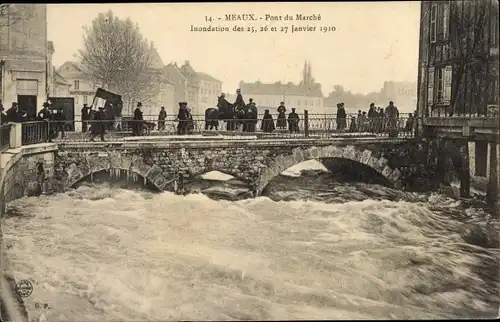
237	116
376	120
21	114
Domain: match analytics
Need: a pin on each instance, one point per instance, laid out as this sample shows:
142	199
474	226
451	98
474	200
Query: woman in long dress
281	122
267	122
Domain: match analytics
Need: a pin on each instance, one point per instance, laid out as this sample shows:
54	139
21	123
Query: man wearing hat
13	113
341	117
97	127
183	117
138	120
293	121
45	113
239	103
85	117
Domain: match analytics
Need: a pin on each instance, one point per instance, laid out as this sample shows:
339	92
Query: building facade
174	76
81	88
458	57
24	56
403	94
305	96
202	89
61	87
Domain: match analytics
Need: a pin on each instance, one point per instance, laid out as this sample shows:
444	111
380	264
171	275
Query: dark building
458	58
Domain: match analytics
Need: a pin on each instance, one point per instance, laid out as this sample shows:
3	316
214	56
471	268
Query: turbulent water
320	250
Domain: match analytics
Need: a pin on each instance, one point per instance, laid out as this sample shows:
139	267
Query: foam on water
295	171
98	253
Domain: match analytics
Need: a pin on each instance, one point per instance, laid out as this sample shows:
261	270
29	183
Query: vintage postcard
249	161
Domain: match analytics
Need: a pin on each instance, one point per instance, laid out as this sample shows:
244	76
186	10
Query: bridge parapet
475	128
256	162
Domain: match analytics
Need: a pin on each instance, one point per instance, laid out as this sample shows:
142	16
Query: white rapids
100	254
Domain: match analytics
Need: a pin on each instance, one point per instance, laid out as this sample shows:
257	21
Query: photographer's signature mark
24	288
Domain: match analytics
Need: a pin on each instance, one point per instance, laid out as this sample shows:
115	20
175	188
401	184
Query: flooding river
323	249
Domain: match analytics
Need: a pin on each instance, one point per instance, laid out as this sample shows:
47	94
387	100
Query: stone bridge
255	162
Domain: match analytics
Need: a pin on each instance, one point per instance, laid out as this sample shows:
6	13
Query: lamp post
284	93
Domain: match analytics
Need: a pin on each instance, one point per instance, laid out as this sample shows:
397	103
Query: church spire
304	73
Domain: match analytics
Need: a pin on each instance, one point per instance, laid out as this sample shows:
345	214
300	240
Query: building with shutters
458	57
202	89
24	56
83	89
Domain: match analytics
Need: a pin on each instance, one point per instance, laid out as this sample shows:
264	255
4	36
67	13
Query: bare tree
117	56
13	13
470	44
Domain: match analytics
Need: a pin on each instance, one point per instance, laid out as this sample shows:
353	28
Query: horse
212	118
223	112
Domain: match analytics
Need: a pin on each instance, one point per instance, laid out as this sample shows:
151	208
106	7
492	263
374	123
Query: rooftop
188	71
59	79
156	61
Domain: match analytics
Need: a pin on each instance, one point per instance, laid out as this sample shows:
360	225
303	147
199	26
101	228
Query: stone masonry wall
19	176
254	162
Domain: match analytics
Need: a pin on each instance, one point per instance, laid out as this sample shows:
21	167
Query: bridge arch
350	152
152	173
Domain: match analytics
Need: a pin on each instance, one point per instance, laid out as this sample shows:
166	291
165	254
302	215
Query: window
444	21
440	85
433	26
443	91
494	30
85	99
76	85
430	87
447	84
493	91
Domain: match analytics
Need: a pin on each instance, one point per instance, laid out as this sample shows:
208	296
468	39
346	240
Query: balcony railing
4	137
35	132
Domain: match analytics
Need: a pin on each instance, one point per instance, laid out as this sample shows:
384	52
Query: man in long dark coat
293	122
341	117
162	116
137	120
183	117
85	117
98	127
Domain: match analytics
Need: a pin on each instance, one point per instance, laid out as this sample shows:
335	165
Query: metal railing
4	137
35	132
307	126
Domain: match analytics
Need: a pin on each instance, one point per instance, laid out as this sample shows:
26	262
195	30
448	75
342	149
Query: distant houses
176	84
306	95
403	94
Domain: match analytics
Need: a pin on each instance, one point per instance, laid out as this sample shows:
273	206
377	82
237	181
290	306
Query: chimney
186	62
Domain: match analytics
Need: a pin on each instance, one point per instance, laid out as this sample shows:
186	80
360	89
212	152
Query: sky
372	42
